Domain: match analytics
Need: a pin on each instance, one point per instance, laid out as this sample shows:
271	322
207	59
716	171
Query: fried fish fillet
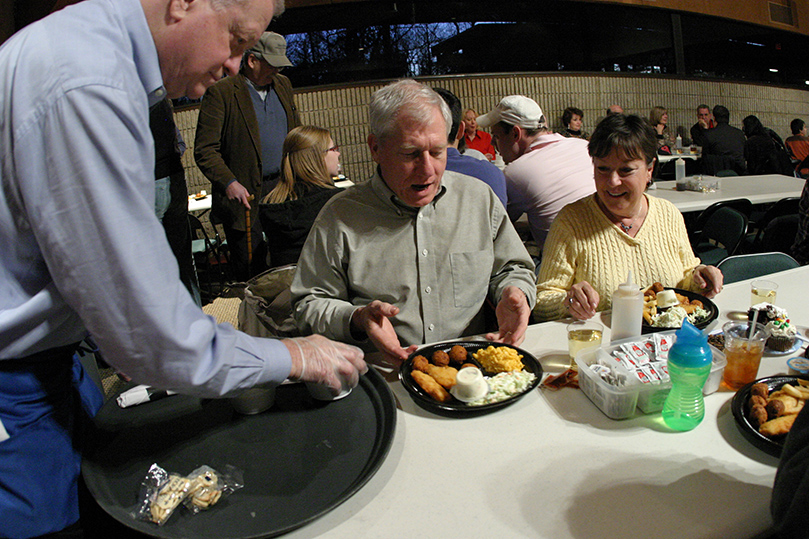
430	386
778	426
443	375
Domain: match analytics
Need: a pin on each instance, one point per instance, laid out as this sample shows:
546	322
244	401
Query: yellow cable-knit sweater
583	245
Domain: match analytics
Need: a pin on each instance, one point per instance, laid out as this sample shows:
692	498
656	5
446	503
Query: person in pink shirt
545	171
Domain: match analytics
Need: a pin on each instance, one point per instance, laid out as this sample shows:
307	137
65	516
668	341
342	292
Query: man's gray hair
223	4
408	97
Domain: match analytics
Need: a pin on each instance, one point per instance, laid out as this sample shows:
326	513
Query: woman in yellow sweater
593	243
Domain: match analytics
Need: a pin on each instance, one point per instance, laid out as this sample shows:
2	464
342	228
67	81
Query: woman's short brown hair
631	135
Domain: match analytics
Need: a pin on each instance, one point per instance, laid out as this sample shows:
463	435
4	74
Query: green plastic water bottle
689	365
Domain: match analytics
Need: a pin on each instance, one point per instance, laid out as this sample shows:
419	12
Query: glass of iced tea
762	292
581	335
743	350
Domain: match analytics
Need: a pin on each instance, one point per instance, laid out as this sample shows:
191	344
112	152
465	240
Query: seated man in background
546	171
798	145
464	164
723	146
412	255
475	139
705	122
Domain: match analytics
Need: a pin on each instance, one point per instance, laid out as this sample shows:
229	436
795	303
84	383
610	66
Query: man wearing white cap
243	121
545	171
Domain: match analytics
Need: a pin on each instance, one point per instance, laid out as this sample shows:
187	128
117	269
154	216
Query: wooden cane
249	226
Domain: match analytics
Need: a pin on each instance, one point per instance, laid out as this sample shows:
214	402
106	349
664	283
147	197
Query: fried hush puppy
430	386
762	390
773	413
440	358
420	363
457	354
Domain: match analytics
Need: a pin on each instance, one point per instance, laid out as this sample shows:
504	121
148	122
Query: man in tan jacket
240	133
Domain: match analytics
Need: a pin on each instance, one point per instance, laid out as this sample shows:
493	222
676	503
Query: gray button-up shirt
438	263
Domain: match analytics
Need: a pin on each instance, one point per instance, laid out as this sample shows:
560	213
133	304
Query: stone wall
343	109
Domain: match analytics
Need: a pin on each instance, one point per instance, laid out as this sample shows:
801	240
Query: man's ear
178	9
373	145
461	130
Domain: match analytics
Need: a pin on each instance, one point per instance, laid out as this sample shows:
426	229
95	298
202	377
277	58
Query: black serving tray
300	459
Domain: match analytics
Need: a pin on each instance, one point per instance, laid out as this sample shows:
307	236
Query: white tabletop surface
553	466
195	204
757	189
661	158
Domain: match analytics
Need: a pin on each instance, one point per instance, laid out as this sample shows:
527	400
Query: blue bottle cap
691	348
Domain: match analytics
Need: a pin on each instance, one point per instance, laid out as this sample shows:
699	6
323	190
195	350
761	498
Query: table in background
553	466
199	204
661	158
757	189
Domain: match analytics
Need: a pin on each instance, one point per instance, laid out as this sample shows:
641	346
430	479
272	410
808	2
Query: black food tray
300	459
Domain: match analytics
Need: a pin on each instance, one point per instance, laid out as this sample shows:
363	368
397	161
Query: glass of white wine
762	292
581	335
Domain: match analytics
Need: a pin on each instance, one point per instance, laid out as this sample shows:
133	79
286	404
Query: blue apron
41	403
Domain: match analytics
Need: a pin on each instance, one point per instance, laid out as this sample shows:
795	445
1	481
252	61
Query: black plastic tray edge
714	310
381	447
384	400
738	406
459	410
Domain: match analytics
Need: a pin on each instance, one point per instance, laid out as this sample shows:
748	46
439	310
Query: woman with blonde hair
659	118
309	163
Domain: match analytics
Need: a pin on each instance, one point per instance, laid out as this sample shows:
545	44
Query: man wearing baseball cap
545	171
243	121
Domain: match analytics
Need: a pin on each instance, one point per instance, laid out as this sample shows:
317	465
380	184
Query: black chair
779	234
207	255
721	235
753	242
749	266
742	205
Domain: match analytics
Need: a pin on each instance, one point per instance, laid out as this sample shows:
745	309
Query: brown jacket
227	144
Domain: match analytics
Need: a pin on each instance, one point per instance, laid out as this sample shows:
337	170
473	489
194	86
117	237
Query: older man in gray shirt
412	255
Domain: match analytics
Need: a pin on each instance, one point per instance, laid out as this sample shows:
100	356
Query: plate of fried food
431	376
765	409
666	308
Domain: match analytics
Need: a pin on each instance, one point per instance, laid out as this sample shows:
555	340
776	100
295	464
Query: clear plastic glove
320	360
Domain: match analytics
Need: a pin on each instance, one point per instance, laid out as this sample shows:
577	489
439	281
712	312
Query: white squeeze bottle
679	143
679	169
627	310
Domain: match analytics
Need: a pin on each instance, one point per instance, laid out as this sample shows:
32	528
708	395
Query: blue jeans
162	197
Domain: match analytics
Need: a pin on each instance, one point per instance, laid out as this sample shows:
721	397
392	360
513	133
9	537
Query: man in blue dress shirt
81	247
458	162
